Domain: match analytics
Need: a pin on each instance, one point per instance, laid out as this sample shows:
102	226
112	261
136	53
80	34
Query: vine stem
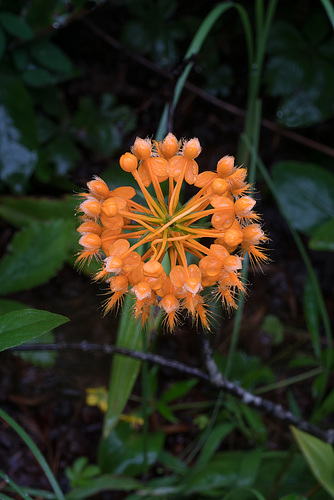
213	377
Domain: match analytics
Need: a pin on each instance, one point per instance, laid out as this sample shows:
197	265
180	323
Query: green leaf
36	254
24	325
216	436
61	153
15	25
2	43
37	77
306	192
312	315
165	411
323	237
122	452
271	324
178	390
7	306
51	56
319	456
18	134
26	210
106	482
124	370
44	359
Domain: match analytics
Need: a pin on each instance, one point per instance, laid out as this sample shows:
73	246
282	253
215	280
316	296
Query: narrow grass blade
35	451
311	273
328	6
194	48
18	489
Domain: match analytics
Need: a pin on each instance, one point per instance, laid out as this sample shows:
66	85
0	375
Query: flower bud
232	263
142	290
90	241
253	234
142	148
233	237
169	146
244	205
191	149
153	268
91	207
169	303
128	162
225	166
110	207
90	227
113	264
220	186
98	188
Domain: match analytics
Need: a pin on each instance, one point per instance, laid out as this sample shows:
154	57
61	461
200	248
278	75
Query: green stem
289	381
144	389
35	451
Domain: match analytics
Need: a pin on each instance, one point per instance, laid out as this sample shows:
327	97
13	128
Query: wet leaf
16	26
18	134
18	327
319	456
306	192
35	255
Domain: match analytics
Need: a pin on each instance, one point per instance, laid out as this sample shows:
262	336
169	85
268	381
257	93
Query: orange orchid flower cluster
174	266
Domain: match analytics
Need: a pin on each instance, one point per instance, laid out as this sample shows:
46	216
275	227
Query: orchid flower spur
175	266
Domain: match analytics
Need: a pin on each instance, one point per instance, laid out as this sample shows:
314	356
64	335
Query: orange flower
175	266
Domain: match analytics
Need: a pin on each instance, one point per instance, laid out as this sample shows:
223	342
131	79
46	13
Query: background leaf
306	192
323	237
36	253
18	134
319	456
22	326
15	25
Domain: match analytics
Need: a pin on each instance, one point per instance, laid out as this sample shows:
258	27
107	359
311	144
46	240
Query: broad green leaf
26	210
37	252
319	456
306	192
124	370
15	25
7	306
51	56
2	42
24	325
106	482
122	452
214	440
312	315
323	237
18	134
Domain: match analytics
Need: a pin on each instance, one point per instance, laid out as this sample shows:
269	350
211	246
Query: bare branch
214	378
